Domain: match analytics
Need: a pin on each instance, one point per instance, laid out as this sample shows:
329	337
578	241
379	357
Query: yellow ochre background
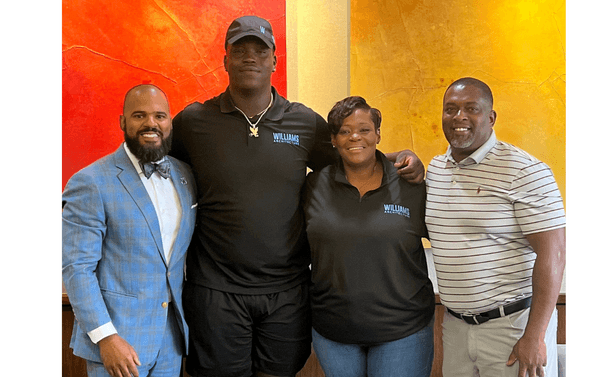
404	54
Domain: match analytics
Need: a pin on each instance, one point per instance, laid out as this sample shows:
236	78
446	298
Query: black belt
477	319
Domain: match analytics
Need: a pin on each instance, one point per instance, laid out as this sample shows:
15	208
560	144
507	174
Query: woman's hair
346	107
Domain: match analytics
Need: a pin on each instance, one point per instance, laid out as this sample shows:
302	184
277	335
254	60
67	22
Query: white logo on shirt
396	209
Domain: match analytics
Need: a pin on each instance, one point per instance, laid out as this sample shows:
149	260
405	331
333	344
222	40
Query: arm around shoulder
322	154
409	166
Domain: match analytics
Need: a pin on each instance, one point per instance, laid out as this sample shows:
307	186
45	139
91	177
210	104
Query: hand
531	354
119	357
410	167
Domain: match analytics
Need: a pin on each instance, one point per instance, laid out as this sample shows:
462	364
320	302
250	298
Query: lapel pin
183	180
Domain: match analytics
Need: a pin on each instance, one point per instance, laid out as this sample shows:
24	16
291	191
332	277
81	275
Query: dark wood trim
73	366
64	299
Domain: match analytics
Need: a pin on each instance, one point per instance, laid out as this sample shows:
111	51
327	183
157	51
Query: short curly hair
345	108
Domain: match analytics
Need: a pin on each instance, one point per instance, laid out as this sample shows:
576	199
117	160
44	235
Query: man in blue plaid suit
127	222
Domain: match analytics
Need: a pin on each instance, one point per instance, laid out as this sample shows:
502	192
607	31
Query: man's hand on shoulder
531	354
409	166
118	356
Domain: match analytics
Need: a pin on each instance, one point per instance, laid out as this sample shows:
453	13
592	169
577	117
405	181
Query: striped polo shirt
478	212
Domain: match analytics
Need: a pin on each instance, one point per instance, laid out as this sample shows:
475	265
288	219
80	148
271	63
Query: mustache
150	129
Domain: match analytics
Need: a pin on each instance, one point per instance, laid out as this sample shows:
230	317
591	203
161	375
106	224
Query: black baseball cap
250	25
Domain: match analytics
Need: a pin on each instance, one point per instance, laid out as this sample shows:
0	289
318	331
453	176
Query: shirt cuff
101	332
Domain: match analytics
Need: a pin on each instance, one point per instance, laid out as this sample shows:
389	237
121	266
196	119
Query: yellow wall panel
404	54
317	49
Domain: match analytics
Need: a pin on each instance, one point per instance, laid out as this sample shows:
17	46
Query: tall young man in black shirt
246	298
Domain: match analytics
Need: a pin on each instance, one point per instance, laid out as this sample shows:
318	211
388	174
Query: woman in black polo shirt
371	299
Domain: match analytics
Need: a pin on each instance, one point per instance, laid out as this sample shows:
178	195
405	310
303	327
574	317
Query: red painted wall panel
178	45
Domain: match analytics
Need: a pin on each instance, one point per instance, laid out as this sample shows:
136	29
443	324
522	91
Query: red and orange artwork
111	46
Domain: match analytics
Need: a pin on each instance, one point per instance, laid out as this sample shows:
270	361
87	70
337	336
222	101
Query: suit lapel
130	179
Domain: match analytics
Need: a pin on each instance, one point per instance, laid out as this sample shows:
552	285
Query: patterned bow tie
162	168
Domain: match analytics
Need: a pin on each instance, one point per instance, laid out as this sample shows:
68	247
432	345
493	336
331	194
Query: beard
459	141
146	153
462	143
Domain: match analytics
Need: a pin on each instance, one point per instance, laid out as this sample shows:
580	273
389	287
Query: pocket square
194	206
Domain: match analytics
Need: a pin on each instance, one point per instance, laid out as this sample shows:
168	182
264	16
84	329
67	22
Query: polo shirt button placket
456	167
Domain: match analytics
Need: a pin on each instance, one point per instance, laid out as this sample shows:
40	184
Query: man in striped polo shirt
497	228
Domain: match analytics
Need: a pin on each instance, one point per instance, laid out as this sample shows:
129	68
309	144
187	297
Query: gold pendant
253	131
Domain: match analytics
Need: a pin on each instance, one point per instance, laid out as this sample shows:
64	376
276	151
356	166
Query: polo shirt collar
339	170
275	112
478	155
226	104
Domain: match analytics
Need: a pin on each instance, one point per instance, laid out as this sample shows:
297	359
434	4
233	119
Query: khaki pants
483	350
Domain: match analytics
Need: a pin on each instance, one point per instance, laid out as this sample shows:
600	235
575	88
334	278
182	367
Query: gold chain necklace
254	126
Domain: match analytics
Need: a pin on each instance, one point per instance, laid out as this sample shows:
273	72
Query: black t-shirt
250	236
369	271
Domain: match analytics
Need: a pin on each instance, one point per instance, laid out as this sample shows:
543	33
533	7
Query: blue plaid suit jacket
113	265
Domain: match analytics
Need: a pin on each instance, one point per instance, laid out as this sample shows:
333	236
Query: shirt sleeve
422	203
322	153
178	150
102	332
537	202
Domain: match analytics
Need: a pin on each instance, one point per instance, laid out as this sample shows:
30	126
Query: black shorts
236	335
